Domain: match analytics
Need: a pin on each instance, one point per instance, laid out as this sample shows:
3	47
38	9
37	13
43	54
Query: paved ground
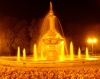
73	67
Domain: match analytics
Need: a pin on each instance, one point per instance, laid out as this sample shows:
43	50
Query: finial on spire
51	11
50	6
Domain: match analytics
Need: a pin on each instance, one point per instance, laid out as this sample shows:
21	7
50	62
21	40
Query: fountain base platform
11	61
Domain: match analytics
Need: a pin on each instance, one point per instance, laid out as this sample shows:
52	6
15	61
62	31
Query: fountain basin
29	62
52	41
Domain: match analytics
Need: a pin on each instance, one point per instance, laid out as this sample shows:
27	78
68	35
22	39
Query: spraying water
35	53
24	54
79	53
42	51
87	53
62	51
71	51
18	54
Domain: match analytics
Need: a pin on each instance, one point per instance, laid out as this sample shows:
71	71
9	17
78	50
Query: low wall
67	63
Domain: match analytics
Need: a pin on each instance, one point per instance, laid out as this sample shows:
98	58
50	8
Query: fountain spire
51	11
50	6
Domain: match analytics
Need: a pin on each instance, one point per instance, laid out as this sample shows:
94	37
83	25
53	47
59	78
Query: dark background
69	11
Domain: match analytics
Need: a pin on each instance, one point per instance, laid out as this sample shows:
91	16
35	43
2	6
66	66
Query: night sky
68	11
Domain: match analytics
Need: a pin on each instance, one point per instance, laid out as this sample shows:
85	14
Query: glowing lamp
92	41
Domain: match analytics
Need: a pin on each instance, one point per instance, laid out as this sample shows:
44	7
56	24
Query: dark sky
68	11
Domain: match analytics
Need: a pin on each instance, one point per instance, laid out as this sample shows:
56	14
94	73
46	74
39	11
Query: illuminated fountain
51	43
51	39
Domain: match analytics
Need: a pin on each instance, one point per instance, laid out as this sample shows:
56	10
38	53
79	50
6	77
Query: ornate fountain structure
51	40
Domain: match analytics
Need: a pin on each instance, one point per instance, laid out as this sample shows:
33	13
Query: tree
74	34
34	30
22	40
7	38
23	24
7	22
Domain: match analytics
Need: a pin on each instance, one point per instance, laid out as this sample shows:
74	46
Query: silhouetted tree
34	30
7	38
23	24
22	40
7	22
74	34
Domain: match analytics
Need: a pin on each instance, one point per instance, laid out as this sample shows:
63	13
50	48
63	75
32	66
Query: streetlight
94	40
